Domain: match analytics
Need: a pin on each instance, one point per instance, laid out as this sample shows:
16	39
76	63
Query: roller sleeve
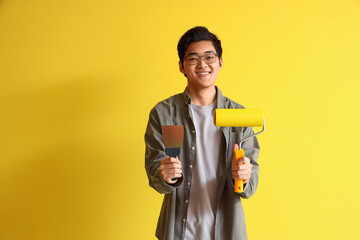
239	117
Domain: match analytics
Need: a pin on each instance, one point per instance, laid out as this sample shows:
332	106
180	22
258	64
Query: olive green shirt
230	219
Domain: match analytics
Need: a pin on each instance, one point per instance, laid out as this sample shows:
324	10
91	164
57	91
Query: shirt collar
219	98
186	96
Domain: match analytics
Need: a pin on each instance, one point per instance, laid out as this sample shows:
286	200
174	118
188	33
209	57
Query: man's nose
202	62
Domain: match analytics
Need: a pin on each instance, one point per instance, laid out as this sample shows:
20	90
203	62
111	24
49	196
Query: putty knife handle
239	183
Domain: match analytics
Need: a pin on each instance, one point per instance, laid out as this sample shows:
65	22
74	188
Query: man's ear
181	67
221	63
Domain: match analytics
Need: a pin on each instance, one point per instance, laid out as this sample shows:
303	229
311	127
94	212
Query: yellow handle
239	183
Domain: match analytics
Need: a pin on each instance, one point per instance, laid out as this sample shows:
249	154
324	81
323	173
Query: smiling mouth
203	73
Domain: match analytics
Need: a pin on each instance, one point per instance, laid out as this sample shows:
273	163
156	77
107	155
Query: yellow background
78	79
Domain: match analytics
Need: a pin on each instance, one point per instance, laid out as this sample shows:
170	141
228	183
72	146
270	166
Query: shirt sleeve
154	153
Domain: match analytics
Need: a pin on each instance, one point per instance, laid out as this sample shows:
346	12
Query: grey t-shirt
202	202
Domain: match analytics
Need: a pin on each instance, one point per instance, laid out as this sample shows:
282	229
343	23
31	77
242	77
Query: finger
242	161
170	163
170	160
172	178
237	168
246	160
177	175
243	169
243	166
170	171
238	163
243	176
235	147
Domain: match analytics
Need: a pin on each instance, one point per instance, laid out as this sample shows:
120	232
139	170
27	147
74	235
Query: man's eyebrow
194	53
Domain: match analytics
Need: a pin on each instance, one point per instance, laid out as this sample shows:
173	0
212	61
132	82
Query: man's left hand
241	169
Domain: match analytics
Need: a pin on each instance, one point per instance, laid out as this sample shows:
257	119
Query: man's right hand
170	168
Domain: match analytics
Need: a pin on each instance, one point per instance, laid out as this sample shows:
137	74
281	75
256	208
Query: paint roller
240	118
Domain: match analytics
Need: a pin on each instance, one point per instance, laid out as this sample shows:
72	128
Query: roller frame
253	135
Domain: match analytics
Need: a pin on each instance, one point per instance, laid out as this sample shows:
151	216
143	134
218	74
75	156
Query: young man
199	200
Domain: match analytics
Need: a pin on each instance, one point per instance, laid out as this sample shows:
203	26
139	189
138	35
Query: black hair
197	34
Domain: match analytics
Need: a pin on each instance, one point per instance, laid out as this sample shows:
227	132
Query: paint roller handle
239	183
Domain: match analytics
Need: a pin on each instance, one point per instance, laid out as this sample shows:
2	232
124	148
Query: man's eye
193	58
209	57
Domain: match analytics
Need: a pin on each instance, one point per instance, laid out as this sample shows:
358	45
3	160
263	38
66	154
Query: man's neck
203	97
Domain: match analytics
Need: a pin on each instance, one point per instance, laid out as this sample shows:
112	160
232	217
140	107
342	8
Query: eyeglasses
195	59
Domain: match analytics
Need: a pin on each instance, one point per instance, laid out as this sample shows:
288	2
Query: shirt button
190	166
186	201
184	220
193	131
188	183
193	148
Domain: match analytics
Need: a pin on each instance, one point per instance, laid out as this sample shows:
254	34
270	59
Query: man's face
200	75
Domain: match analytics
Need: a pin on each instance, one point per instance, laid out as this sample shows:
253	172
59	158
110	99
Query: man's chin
201	86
